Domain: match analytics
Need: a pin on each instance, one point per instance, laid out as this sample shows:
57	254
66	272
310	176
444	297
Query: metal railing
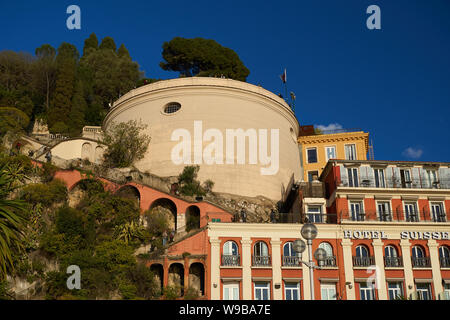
261	261
398	215
393	182
330	261
363	261
421	262
391	262
291	261
231	260
445	262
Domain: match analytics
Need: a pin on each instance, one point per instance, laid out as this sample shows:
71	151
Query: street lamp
309	232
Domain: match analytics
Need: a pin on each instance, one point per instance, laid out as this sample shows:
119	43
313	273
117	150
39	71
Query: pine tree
78	110
108	43
66	64
90	44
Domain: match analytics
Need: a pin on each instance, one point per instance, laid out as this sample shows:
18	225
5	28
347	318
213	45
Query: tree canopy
202	57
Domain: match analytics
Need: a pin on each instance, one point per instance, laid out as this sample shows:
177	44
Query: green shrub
48	172
171	292
144	281
5	293
55	285
128	291
191	294
46	194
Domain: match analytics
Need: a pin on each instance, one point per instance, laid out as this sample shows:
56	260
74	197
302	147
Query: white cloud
412	153
330	127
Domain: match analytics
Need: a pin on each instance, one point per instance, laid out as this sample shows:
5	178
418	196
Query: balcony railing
291	261
329	261
392	262
363	261
231	260
261	261
421	262
397	215
445	262
393	182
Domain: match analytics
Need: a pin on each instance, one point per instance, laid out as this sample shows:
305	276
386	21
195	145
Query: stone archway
130	192
158	271
176	277
192	218
86	151
168	208
197	277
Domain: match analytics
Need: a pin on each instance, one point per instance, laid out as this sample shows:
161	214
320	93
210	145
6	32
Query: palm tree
12	222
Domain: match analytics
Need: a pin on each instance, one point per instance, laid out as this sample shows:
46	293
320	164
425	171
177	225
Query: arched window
390	251
261	249
444	256
391	258
261	254
417	252
230	248
419	259
327	247
288	250
362	251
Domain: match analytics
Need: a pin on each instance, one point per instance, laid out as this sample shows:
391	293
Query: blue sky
393	82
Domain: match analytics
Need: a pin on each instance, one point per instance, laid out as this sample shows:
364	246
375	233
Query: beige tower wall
221	104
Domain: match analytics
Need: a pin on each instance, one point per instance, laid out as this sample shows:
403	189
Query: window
432	179
366	291
419	259
395	290
356	211
262	291
444	256
313	175
328	291
292	291
405	178
172	107
230	255
384	211
330	153
352	177
314	214
350	152
312	155
231	291
423	291
379	178
411	212
261	254
447	291
362	252
391	258
290	257
437	212
329	260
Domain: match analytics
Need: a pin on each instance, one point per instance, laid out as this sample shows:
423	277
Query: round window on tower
171	107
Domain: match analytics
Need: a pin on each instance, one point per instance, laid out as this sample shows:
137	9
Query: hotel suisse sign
413	235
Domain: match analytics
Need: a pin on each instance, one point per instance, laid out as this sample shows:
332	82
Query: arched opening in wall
98	157
168	208
130	192
192	218
82	188
86	151
158	272
176	278
197	277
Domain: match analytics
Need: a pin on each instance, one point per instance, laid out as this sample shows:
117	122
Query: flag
284	76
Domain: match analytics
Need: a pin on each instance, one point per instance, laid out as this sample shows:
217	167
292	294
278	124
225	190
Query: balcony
329	262
393	262
230	260
445	262
261	261
393	182
398	215
291	261
363	261
421	262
